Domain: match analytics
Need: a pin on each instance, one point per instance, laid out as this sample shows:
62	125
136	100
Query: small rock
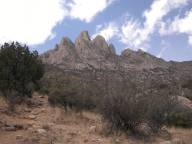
42	131
34	112
36	126
41	96
92	129
32	117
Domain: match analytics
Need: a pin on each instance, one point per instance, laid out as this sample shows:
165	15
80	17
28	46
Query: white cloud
32	21
107	31
29	21
86	10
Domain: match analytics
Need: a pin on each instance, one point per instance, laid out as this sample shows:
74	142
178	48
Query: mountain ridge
97	53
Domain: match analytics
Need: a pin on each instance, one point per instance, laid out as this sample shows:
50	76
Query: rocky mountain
97	53
86	55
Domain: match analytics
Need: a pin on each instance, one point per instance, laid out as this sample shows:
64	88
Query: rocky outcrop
102	46
185	102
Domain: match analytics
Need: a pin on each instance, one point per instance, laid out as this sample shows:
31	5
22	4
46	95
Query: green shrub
181	118
20	71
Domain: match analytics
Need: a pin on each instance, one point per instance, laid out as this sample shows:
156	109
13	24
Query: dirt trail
43	124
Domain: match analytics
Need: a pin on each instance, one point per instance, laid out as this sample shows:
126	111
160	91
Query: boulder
185	102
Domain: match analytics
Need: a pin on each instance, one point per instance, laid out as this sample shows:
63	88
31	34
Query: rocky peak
100	39
127	52
83	36
84	46
100	43
65	41
65	50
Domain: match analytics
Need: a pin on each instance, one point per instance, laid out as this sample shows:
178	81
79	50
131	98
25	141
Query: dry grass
68	128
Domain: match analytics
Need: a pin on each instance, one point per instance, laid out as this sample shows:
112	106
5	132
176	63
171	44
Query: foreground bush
181	118
20	71
71	98
126	107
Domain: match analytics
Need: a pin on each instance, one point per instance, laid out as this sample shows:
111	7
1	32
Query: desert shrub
20	71
182	119
126	105
72	97
66	98
187	89
71	90
187	84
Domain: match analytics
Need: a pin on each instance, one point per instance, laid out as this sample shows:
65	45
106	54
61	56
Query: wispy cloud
179	25
136	33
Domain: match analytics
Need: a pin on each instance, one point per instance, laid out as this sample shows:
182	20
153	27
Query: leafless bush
128	104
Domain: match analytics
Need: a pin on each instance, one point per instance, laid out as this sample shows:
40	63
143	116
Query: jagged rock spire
65	41
83	36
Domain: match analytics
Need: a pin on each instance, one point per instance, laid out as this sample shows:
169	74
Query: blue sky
160	27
